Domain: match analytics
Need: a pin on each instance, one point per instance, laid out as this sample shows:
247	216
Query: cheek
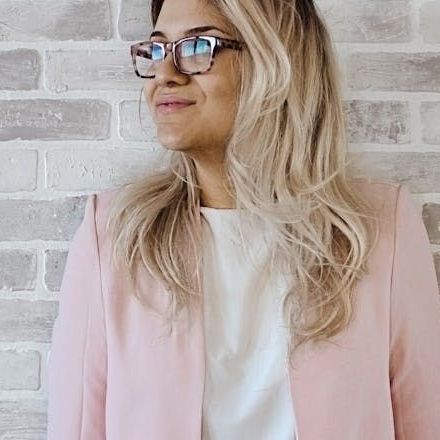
221	101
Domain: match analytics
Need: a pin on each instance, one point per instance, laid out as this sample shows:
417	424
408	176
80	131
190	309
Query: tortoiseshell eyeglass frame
216	43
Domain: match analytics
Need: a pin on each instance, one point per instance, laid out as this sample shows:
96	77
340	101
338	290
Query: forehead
179	18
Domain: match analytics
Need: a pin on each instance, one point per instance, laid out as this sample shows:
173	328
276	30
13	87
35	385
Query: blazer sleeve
77	362
414	327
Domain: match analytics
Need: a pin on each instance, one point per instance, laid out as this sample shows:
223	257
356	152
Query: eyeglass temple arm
230	44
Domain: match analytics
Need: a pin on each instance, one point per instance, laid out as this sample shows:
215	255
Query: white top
247	390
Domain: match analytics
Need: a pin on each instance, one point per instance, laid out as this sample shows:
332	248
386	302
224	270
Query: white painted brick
385	122
40	219
51	119
18	269
22	320
18	170
369	21
134	126
20	69
430	116
19	370
431	218
39	20
414	72
87	169
437	265
134	20
23	419
86	70
55	261
430	21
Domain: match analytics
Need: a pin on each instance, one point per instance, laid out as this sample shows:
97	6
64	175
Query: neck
214	192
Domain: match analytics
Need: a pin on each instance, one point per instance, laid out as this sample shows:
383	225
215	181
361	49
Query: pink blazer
114	374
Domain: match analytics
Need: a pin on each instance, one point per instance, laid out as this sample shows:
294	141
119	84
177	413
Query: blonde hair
285	161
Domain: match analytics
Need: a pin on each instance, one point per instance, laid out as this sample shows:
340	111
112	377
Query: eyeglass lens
191	56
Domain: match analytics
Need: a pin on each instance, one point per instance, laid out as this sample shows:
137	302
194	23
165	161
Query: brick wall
69	127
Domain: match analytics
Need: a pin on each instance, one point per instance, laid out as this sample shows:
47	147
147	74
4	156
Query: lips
171	108
173	100
167	104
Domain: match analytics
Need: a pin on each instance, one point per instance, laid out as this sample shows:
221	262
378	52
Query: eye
156	52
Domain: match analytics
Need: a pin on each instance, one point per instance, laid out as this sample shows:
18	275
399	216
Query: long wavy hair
285	162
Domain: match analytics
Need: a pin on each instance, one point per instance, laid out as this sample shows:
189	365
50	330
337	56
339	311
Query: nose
167	71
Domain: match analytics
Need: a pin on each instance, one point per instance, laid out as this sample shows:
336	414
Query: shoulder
104	201
387	194
98	206
386	197
377	191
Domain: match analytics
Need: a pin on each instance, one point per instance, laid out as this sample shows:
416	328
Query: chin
173	144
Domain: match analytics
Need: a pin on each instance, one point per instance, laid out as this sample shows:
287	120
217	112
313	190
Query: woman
298	303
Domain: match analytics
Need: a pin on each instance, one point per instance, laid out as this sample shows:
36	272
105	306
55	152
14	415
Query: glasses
191	55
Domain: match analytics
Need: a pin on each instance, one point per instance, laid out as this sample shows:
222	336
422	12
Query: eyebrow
191	31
